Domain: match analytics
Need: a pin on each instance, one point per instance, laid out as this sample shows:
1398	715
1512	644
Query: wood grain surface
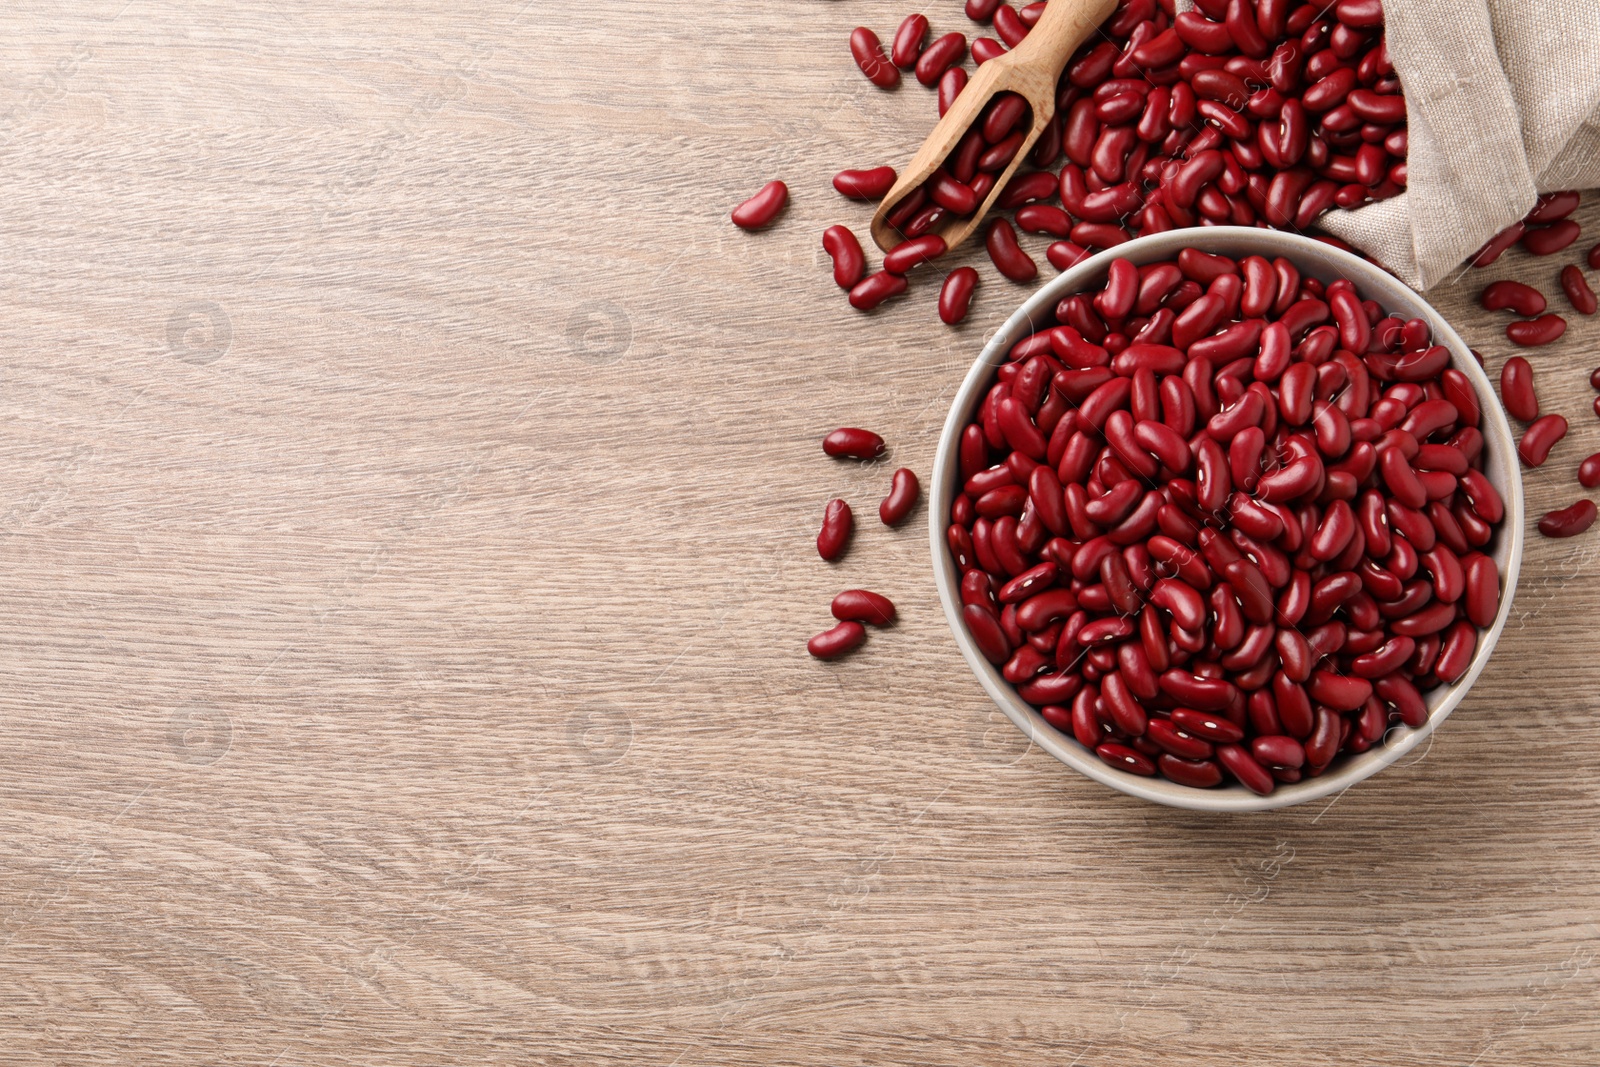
407	511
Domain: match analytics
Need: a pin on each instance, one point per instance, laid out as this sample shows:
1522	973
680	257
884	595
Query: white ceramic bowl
1314	259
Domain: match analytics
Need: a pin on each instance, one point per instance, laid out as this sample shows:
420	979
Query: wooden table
409	490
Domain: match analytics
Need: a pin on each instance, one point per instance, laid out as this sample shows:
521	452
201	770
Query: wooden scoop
1031	70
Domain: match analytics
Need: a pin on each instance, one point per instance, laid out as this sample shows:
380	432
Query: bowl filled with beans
1226	518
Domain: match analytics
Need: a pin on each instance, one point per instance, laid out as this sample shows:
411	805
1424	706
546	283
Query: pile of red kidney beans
1224	521
1218	520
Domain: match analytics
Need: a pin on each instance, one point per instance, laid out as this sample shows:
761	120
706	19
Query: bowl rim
1315	259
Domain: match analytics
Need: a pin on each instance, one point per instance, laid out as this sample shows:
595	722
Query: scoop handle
1064	25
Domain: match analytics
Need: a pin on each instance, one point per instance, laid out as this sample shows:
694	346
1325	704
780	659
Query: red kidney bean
1330	91
1568	521
1540	438
1455	655
951	82
1044	218
1043	609
1516	389
1294	709
1202	34
873	184
1099	235
1040	185
987	633
843	638
1496	245
860	605
1340	692
1404	697
978	588
1508	295
955	296
1174	740
1552	207
1206	725
1199	774
1579	295
848	261
1127	714
1362	14
761	208
951	194
908	41
1242	765
1373	107
874	289
1593	258
853	443
1202	694
911	205
913	253
1355	332
1548	240
1124	758
1002	115
1589	472
944	53
1278	751
1122	288
1459	391
1539	331
837	525
904	488
1064	254
868	53
1009	25
1003	500
1007	255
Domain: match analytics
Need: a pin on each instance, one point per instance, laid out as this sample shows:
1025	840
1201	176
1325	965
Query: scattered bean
851	443
861	605
761	208
1540	438
871	184
1516	389
843	638
1568	521
1576	286
955	296
838	523
1007	255
868	53
914	253
1548	240
1508	295
908	41
874	289
1589	472
1540	331
904	488
848	261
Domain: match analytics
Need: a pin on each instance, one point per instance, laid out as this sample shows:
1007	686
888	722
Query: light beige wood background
407	503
